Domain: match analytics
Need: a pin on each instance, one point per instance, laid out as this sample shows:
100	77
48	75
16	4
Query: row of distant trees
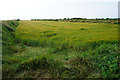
83	20
92	19
76	19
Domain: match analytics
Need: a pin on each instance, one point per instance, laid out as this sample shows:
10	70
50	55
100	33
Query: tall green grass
101	61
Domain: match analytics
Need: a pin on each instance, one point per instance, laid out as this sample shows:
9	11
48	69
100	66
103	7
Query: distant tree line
84	20
45	19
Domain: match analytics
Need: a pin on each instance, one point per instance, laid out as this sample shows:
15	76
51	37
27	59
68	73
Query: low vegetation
8	37
50	49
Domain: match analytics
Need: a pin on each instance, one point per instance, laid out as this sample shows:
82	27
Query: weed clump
44	65
51	34
83	29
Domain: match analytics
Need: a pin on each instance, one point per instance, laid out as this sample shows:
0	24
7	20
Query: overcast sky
44	9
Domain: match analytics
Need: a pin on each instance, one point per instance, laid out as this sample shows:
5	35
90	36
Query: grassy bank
8	36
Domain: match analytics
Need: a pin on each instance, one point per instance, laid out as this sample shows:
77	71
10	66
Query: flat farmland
70	34
58	49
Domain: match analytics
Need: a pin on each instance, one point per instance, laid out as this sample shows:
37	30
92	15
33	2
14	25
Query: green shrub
107	60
